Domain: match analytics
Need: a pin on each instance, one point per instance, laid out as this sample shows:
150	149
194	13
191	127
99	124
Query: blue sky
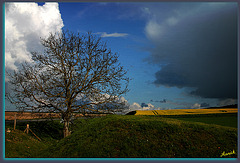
115	18
178	55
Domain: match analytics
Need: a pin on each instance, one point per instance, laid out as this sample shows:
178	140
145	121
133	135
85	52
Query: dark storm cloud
204	105
200	51
144	105
160	101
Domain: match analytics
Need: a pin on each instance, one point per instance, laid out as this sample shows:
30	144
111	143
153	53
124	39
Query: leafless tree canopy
75	72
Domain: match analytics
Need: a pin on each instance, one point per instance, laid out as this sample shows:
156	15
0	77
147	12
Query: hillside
20	145
144	137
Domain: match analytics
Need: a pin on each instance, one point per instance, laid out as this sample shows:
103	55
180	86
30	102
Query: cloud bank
143	106
104	34
25	23
195	47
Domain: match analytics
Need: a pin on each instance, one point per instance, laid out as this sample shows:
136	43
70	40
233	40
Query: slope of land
19	144
145	137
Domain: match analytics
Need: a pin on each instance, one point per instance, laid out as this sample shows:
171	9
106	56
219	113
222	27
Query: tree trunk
66	131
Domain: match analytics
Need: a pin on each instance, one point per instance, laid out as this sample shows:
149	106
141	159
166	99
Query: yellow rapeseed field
186	111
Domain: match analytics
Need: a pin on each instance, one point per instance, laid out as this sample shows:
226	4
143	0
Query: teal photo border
95	159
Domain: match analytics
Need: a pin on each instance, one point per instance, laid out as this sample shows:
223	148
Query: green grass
225	119
145	137
45	130
116	136
21	145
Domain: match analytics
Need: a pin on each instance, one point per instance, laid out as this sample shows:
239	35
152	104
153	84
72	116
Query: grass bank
21	145
144	137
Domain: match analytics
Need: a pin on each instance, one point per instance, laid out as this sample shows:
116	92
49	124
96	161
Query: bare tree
75	72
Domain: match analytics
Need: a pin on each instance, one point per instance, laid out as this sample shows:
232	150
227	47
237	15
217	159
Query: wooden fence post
27	128
15	121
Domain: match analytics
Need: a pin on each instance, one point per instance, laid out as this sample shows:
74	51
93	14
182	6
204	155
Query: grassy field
118	136
229	120
10	115
186	111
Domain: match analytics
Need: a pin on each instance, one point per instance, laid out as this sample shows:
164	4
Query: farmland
129	136
186	111
230	120
10	115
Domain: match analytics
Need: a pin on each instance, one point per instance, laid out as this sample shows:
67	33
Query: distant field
218	116
10	115
186	111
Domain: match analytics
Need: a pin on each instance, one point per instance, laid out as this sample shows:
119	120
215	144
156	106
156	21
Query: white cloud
172	21
104	34
136	106
146	10
149	107
154	30
25	23
122	99
196	106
